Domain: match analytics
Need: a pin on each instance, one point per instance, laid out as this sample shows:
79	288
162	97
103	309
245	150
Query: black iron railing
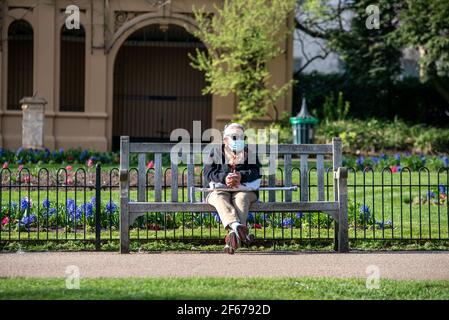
83	205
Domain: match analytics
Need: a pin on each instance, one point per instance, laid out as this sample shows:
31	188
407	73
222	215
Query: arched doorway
155	88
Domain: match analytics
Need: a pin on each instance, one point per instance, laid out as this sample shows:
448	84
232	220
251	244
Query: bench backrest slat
288	176
174	181
337	162
141	178
272	170
304	167
158	176
320	176
190	177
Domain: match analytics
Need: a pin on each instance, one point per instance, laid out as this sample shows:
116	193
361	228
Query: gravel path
392	265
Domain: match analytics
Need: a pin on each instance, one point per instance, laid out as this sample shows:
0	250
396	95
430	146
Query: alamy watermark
73	20
72	280
373	19
373	277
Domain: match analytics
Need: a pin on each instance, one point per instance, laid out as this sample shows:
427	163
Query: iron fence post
97	207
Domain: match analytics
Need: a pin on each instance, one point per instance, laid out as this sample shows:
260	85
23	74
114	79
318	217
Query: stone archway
152	89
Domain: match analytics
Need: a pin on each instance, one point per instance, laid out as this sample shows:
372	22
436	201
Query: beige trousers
232	206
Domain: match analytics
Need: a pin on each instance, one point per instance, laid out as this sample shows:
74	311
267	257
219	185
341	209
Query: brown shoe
232	242
244	235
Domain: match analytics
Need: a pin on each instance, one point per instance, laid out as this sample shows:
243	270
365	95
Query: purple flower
25	204
13	205
111	207
442	189
27	220
445	161
430	194
48	212
71	206
375	160
384	224
423	159
364	211
397	157
87	209
287	222
360	161
46	203
217	217
76	214
250	217
299	215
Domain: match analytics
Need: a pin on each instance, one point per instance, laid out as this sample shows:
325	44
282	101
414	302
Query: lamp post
303	125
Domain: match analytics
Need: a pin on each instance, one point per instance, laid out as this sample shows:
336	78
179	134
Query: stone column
33	122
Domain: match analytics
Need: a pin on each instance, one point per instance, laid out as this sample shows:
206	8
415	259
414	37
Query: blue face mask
237	145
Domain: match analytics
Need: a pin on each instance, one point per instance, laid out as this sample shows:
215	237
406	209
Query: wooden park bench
337	209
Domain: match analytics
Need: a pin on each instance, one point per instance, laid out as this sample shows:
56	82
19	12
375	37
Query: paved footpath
393	265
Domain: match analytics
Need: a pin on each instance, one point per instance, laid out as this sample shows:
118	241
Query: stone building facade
124	71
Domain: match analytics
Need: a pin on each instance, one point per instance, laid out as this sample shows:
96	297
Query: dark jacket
217	172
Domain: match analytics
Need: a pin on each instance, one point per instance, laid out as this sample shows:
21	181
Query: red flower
26	179
5	165
5	220
150	165
20	168
69	168
90	163
257	226
394	169
153	226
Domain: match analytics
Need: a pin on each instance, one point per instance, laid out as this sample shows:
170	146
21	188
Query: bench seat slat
257	206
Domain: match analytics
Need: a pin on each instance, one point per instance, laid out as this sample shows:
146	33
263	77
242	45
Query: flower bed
397	162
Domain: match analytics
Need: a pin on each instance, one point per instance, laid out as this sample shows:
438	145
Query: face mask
237	145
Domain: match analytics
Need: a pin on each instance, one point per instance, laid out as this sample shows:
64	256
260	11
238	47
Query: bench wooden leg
343	241
343	237
336	228
124	226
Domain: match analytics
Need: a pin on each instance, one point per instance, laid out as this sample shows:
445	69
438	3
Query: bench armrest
341	173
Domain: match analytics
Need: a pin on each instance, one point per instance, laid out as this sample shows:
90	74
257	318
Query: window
72	69
20	63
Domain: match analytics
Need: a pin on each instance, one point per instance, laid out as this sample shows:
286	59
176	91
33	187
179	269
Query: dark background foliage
408	99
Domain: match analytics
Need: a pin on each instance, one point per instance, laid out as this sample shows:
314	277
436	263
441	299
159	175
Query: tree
242	37
425	24
374	54
368	54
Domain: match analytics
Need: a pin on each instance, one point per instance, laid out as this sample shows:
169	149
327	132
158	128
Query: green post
303	125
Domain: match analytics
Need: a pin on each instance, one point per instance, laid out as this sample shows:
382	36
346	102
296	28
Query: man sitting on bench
231	173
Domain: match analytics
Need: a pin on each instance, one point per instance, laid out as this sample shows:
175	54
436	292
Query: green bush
374	135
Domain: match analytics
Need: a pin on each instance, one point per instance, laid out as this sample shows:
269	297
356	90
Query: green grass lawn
220	288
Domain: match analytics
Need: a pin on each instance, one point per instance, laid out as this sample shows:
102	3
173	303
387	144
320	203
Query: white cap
227	129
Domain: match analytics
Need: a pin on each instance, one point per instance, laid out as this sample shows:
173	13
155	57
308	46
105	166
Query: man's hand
233	180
